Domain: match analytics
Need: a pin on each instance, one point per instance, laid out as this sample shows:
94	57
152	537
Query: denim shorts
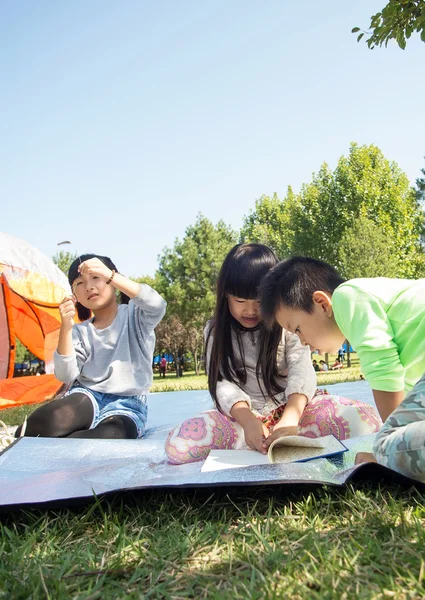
110	405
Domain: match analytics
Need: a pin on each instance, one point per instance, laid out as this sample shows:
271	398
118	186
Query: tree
420	187
269	223
313	222
22	354
396	21
188	273
171	338
365	251
363	184
63	260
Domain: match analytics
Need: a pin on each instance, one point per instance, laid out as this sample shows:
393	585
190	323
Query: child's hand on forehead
94	266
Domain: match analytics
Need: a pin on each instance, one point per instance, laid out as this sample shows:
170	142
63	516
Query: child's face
317	330
246	312
92	292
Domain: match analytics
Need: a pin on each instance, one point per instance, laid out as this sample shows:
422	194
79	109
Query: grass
191	381
260	543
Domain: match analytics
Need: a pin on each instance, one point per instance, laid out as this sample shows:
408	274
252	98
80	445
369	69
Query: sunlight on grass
244	544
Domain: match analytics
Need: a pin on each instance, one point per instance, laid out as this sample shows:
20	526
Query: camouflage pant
400	445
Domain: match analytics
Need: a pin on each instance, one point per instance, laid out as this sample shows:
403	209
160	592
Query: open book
287	449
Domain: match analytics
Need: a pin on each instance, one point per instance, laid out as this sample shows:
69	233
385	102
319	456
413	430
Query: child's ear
323	301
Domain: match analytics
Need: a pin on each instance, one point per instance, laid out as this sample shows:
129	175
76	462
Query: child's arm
300	389
363	319
235	403
65	359
254	430
145	298
387	402
67	313
151	305
301	374
94	266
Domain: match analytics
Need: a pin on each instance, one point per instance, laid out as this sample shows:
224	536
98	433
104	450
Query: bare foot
362	457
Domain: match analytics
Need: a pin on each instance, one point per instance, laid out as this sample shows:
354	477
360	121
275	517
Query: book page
232	459
299	448
301	441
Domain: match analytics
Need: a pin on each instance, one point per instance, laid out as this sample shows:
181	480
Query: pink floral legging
193	439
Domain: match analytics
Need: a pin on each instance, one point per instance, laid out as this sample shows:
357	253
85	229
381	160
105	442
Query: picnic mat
35	471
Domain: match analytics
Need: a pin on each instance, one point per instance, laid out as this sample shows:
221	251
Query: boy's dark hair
83	312
293	282
240	275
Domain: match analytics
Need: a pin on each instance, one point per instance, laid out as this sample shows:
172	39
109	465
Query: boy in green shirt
384	320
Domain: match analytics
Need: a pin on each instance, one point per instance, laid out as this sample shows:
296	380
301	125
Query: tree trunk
327	359
173	353
195	358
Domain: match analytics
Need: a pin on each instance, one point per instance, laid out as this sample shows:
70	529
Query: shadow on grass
269	542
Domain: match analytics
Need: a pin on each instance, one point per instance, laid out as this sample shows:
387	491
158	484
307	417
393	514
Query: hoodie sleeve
67	368
149	306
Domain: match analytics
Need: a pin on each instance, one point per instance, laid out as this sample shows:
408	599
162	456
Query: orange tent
31	289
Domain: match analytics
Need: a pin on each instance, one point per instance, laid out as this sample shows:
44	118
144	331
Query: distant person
337	365
181	365
162	366
316	366
341	355
323	366
107	357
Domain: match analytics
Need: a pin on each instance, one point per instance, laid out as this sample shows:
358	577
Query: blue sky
121	121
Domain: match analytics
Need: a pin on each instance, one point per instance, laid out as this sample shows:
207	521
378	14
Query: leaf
355	29
359	37
401	42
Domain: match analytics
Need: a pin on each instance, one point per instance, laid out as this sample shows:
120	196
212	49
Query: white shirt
296	372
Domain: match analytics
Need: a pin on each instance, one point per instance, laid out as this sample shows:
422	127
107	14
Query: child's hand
279	432
67	312
94	266
255	433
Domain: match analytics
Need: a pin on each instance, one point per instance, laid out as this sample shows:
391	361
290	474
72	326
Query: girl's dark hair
293	282
240	275
83	312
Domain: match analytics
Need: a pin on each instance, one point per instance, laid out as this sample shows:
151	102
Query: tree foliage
188	273
171	337
63	260
269	223
366	251
364	184
396	21
420	187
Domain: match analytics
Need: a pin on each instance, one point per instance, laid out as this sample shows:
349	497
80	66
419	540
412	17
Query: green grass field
256	543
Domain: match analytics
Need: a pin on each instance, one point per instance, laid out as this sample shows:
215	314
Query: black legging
71	416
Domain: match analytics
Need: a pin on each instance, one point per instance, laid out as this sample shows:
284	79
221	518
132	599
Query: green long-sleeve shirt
384	320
